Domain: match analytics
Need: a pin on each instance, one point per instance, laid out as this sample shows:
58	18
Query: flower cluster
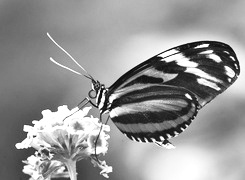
61	139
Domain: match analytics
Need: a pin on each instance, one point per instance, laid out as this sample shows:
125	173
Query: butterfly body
159	98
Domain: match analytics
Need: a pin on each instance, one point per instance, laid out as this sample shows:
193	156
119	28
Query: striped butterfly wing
157	99
206	68
154	113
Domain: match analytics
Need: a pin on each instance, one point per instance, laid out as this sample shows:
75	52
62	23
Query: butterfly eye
92	94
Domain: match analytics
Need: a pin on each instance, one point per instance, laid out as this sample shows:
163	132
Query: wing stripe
152	127
168	108
130	116
149	92
229	72
207	83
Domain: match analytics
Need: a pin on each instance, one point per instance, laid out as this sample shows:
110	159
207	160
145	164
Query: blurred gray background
108	37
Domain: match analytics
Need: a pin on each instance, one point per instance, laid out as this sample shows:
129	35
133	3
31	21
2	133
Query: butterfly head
96	86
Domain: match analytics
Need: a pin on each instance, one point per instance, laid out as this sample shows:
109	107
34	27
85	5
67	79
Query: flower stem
71	167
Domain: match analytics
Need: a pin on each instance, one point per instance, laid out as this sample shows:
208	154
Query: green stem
71	167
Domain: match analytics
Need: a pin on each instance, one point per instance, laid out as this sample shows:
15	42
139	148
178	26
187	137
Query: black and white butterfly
159	98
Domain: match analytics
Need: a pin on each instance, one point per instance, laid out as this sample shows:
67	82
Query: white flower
67	136
40	169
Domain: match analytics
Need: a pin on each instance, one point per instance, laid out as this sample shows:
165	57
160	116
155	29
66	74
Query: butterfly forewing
206	68
159	98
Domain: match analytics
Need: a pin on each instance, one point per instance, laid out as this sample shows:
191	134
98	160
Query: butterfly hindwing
153	113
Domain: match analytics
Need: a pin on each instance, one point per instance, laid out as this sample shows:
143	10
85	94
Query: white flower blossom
61	139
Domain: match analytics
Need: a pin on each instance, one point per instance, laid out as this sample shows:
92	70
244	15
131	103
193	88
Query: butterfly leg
165	143
85	101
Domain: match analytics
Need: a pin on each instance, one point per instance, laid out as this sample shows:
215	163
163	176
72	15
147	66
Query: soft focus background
108	37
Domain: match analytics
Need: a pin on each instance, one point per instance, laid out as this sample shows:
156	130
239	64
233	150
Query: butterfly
159	98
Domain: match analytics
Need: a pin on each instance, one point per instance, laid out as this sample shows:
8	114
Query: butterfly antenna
70	56
65	67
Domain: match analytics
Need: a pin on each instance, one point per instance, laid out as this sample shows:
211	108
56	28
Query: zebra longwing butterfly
159	98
